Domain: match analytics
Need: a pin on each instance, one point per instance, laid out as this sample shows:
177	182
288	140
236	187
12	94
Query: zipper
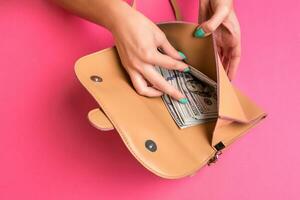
219	147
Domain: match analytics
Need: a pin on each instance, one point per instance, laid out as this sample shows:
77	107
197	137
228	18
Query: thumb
209	26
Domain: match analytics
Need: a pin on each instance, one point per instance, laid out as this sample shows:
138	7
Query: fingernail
183	100
199	33
187	69
182	55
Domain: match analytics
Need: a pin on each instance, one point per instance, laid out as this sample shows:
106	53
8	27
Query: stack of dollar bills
201	92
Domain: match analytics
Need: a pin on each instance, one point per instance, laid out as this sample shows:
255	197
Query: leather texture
137	119
99	120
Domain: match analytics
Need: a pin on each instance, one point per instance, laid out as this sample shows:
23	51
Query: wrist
117	13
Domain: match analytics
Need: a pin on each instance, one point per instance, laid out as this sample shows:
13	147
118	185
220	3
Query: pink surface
48	150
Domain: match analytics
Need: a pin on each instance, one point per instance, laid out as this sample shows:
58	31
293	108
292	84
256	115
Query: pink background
48	150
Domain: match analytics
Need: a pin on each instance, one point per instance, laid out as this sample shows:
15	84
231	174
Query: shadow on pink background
48	150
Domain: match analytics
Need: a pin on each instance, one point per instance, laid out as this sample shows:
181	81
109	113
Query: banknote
201	92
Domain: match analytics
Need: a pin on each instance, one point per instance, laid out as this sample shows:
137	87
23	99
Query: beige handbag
145	125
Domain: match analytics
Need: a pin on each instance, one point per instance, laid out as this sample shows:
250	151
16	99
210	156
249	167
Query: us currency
201	92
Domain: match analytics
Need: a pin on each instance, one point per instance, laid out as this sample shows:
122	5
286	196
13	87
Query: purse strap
175	8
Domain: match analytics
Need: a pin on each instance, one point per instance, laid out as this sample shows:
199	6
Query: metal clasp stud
96	78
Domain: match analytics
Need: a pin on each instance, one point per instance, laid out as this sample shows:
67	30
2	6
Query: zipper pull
215	158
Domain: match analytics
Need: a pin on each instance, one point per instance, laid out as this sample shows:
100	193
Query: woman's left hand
218	16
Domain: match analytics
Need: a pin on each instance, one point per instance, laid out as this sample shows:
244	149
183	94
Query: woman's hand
218	16
137	40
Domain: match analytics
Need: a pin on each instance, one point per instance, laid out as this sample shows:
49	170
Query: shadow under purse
145	124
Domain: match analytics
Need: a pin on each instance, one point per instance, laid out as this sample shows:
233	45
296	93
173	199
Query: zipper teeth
215	158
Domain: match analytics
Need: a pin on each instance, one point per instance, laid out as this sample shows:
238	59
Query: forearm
102	12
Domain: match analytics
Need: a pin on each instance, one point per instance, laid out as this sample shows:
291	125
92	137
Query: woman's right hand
137	40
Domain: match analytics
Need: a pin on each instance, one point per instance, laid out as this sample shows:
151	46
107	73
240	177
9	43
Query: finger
160	83
234	63
204	10
171	51
167	62
141	86
226	58
209	26
220	51
226	62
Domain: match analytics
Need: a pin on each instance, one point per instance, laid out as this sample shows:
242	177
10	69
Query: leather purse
145	125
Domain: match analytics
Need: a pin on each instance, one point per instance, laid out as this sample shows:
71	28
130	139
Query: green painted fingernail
182	55
199	33
187	70
183	100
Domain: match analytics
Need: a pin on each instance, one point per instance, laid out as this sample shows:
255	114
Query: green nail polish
199	33
183	100
182	55
187	70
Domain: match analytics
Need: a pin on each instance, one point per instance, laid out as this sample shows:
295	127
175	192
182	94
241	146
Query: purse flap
143	122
